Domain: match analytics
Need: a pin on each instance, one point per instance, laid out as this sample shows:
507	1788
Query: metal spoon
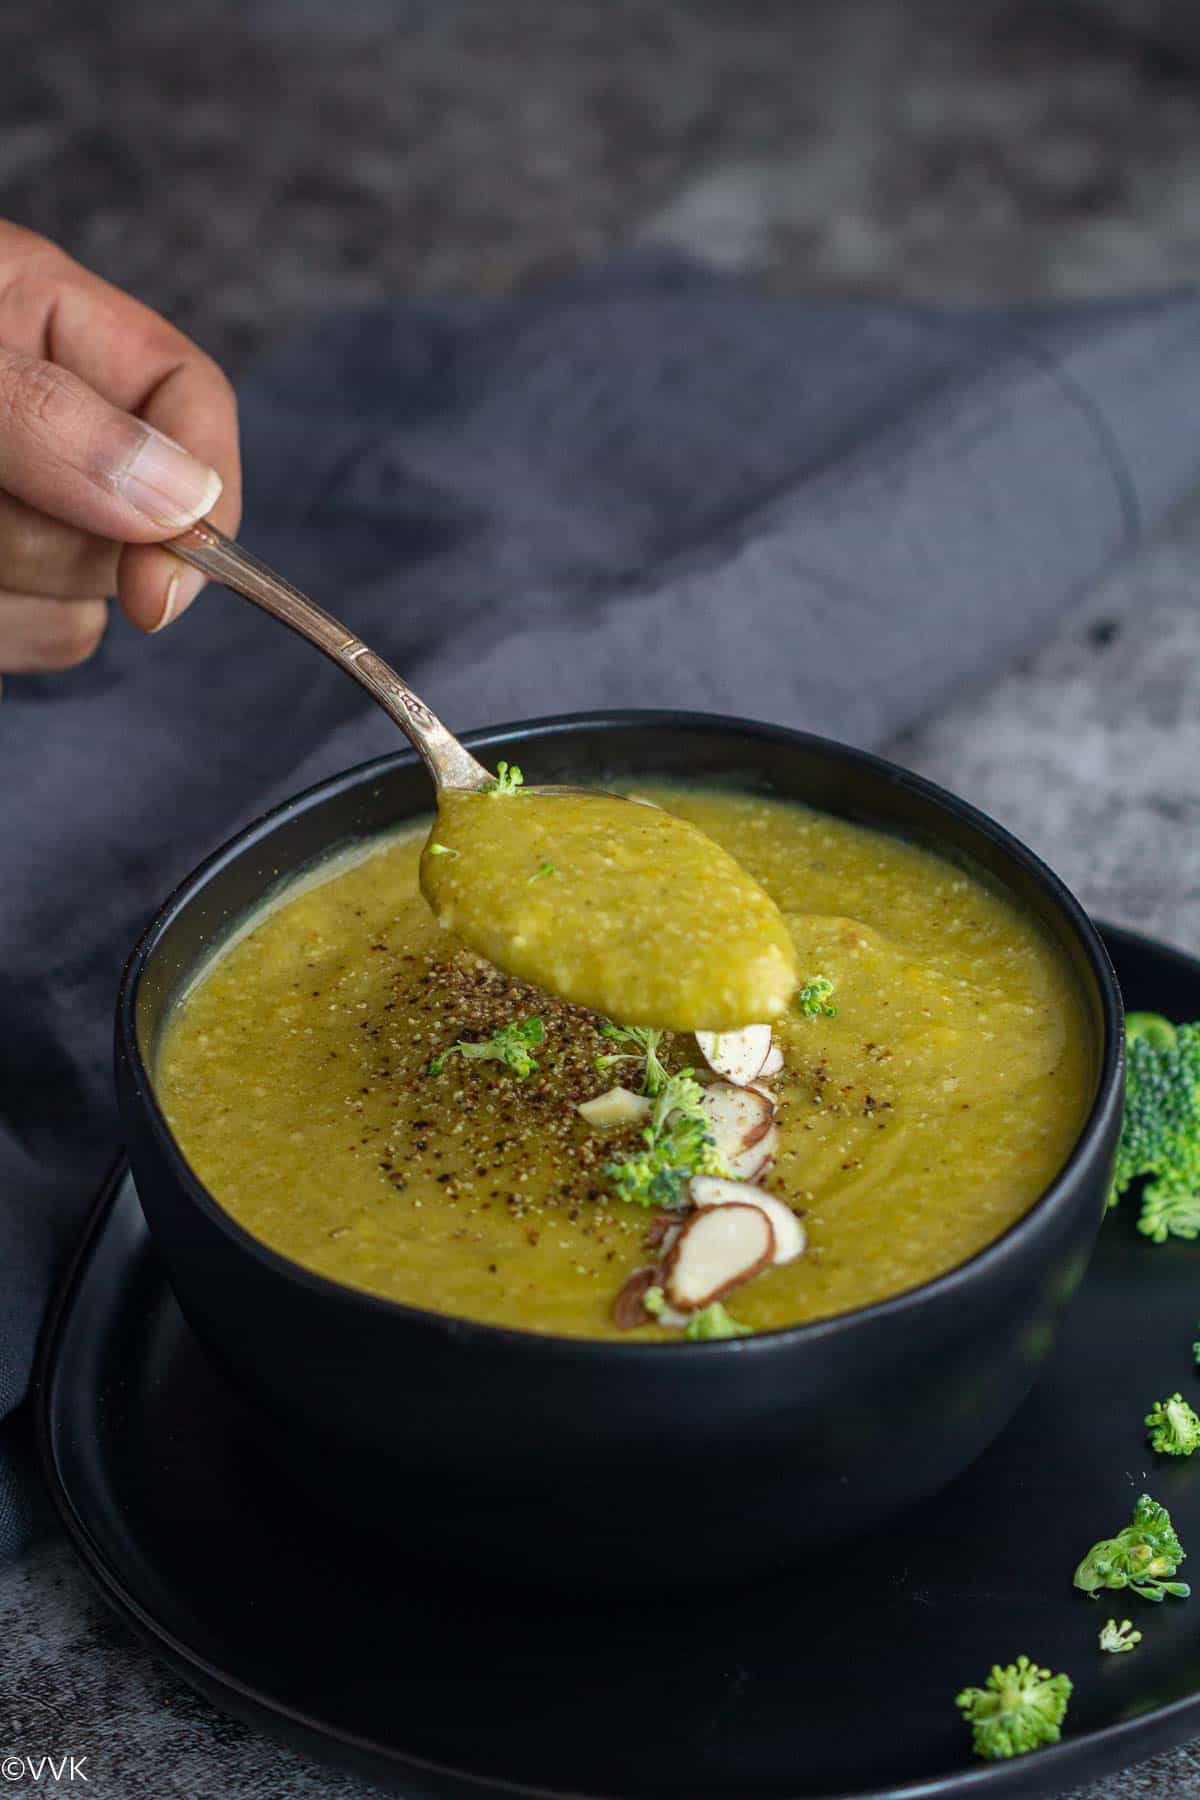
449	762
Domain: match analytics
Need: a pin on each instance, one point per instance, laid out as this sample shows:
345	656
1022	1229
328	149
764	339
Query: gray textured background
244	166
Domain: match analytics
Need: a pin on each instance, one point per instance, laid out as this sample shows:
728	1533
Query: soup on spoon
617	906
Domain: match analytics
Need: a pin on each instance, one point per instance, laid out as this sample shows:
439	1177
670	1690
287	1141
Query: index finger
51	307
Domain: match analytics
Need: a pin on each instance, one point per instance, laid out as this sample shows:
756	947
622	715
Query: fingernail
182	589
169	603
167	485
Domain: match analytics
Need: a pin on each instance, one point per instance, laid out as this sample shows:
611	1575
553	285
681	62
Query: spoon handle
448	761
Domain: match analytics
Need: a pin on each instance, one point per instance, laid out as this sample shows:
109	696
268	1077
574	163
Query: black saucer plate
835	1679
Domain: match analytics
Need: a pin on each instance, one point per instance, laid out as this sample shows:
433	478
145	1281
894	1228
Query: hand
97	394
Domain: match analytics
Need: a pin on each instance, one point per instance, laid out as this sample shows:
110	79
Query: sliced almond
663	1227
737	1055
618	1106
719	1248
753	1164
662	1237
790	1235
628	1309
773	1064
738	1118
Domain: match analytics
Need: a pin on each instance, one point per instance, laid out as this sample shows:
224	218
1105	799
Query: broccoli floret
1165	1214
1173	1426
1018	1709
706	1326
508	779
1137	1558
510	1045
813	998
679	1094
1115	1638
657	1175
1196	1349
1152	1026
1160	1133
645	1040
678	1141
713	1322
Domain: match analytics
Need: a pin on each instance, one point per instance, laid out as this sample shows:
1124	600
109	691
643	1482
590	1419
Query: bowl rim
952	1282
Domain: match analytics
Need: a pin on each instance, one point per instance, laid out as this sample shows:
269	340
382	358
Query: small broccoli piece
1165	1214
547	868
1152	1026
706	1326
678	1142
1196	1349
813	998
1137	1558
645	1040
1160	1132
510	1045
713	1322
679	1094
443	850
1173	1426
1018	1709
1115	1638
657	1175
508	779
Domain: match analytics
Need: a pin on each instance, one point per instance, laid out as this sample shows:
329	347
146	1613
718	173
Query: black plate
836	1679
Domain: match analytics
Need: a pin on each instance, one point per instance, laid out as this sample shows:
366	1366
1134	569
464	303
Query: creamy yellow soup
915	1124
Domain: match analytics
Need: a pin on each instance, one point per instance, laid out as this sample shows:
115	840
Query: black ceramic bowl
519	1452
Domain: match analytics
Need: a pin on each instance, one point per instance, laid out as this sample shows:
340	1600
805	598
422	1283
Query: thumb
71	454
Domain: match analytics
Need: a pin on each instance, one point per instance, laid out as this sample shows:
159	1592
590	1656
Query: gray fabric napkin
647	486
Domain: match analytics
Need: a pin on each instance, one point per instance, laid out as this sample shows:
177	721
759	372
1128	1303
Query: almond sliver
738	1117
628	1310
618	1106
718	1249
737	1055
790	1236
751	1164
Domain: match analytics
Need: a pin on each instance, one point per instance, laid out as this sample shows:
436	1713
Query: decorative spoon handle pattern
449	762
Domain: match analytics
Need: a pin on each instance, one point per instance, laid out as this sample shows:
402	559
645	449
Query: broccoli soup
370	1097
566	889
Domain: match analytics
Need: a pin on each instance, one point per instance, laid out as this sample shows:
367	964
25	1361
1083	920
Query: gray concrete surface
244	163
245	166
